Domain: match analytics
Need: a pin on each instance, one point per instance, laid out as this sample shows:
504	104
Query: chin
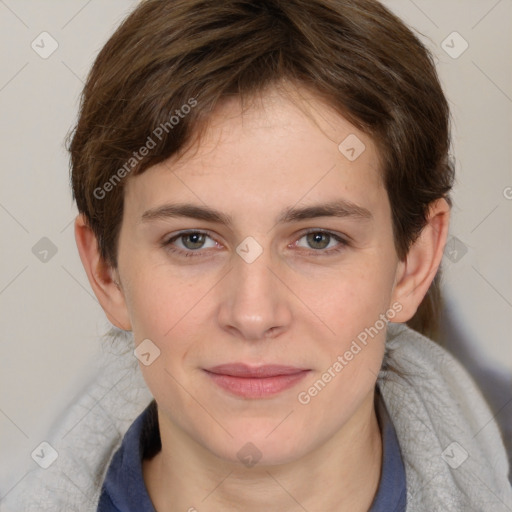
256	447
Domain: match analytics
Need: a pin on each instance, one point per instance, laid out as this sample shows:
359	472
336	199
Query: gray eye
193	240
318	240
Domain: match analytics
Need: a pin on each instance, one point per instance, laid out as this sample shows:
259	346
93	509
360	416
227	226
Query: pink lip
255	382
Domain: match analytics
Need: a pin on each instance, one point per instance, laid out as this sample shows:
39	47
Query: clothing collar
124	488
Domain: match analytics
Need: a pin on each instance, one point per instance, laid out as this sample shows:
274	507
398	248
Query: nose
255	302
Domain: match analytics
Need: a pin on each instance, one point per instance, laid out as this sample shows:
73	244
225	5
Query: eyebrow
339	208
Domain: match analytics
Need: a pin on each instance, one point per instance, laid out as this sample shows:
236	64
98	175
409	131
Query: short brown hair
354	54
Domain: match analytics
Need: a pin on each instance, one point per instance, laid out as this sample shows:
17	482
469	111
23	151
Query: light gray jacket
453	451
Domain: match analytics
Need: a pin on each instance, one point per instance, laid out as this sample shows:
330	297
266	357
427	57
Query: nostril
270	332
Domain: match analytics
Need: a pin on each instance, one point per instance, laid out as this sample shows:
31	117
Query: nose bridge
254	304
254	280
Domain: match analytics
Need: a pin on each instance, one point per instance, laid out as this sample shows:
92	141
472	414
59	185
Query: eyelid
338	236
167	243
184	232
342	239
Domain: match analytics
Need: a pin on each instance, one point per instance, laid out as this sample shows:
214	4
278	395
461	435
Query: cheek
352	354
174	313
168	312
167	315
357	298
352	307
161	298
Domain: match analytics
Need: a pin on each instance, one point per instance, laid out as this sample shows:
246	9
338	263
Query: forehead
282	147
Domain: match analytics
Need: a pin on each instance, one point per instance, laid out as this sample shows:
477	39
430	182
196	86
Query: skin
295	304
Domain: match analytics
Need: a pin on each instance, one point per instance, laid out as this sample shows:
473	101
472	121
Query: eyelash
167	244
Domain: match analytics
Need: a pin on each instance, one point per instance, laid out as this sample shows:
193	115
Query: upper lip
244	370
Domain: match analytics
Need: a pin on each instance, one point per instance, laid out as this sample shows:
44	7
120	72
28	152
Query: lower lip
257	387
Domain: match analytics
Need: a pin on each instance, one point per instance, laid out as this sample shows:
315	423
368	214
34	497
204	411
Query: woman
263	189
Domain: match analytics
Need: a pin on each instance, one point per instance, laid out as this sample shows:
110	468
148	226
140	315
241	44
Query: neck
340	475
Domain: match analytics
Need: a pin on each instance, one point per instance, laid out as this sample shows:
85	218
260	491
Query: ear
102	277
416	273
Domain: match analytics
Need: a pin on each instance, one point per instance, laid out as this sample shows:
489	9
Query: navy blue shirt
124	490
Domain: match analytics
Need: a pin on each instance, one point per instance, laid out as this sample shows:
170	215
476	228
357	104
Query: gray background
51	323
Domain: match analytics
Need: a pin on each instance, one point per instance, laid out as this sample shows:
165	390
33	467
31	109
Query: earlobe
417	272
102	276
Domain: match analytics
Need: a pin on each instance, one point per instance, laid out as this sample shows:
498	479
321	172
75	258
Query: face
261	265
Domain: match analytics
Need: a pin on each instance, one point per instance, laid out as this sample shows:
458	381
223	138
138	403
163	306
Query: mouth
255	381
